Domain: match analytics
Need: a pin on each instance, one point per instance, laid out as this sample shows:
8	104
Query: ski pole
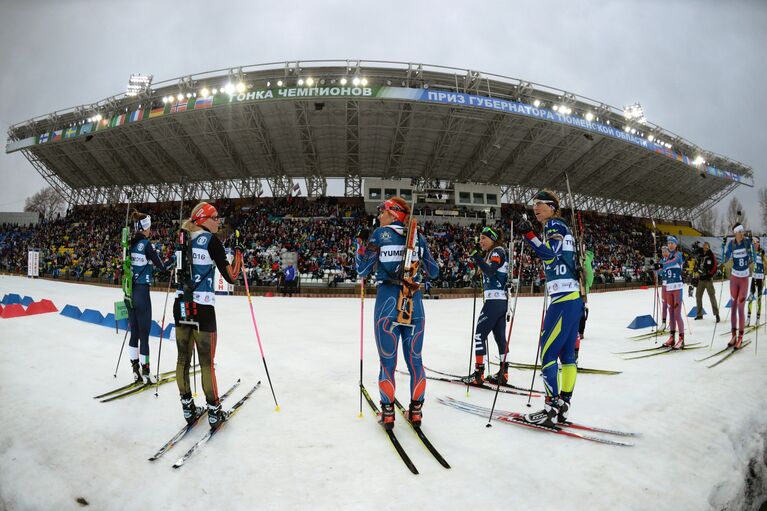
194	364
758	311
362	331
127	329
508	336
538	351
471	343
258	336
162	331
719	302
686	317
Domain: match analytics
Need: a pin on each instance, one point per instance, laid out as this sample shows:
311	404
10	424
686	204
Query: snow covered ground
703	430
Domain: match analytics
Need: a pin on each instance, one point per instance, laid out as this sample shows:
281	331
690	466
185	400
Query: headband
143	224
738	228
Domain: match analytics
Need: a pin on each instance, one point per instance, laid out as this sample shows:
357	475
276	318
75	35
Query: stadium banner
33	263
459	99
221	286
17	145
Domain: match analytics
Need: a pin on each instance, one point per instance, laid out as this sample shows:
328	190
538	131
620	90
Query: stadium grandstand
272	141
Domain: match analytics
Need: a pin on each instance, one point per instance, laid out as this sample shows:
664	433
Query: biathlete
673	288
738	257
383	253
492	317
757	281
662	281
194	308
563	316
142	253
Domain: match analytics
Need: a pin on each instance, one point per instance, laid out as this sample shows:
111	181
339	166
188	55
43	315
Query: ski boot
738	342
717	318
501	377
478	376
564	408
216	416
191	412
734	338
671	340
680	343
137	377
546	417
748	320
415	413
663	326
387	416
147	374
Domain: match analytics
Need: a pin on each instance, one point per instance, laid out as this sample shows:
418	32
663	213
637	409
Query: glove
523	226
657	266
238	246
170	262
362	235
475	249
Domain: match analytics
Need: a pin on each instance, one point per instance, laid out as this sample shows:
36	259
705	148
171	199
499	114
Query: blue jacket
385	252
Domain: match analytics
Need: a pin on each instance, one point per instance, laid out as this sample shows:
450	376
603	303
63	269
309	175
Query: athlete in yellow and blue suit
384	252
560	325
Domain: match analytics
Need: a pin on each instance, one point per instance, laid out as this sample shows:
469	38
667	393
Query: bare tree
47	202
732	214
707	222
763	206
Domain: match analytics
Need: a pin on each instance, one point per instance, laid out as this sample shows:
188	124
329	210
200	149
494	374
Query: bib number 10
560	269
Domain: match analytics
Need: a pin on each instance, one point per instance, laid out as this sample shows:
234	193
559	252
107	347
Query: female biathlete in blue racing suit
384	252
142	253
560	325
492	318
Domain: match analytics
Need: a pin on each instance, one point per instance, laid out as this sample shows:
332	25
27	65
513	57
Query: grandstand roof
316	120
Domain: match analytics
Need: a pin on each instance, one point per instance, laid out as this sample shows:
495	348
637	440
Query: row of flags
122	119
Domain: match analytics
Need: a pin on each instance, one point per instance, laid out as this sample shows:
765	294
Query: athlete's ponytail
141	221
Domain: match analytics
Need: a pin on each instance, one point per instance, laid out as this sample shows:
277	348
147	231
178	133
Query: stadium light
268	84
214	91
651	137
188	95
634	112
180	97
164	99
204	92
633	131
626	129
279	83
356	81
537	103
698	160
310	81
240	87
343	81
555	108
589	116
229	88
364	81
300	82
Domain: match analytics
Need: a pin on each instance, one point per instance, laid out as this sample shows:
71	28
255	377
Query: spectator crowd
85	243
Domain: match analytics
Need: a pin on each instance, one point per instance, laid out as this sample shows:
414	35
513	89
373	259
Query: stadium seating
85	244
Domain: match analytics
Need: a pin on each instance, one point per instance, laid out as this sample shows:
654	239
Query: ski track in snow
700	427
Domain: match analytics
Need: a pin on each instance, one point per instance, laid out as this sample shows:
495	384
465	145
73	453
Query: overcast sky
698	67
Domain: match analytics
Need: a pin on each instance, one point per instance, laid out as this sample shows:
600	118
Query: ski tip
277	408
359	416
